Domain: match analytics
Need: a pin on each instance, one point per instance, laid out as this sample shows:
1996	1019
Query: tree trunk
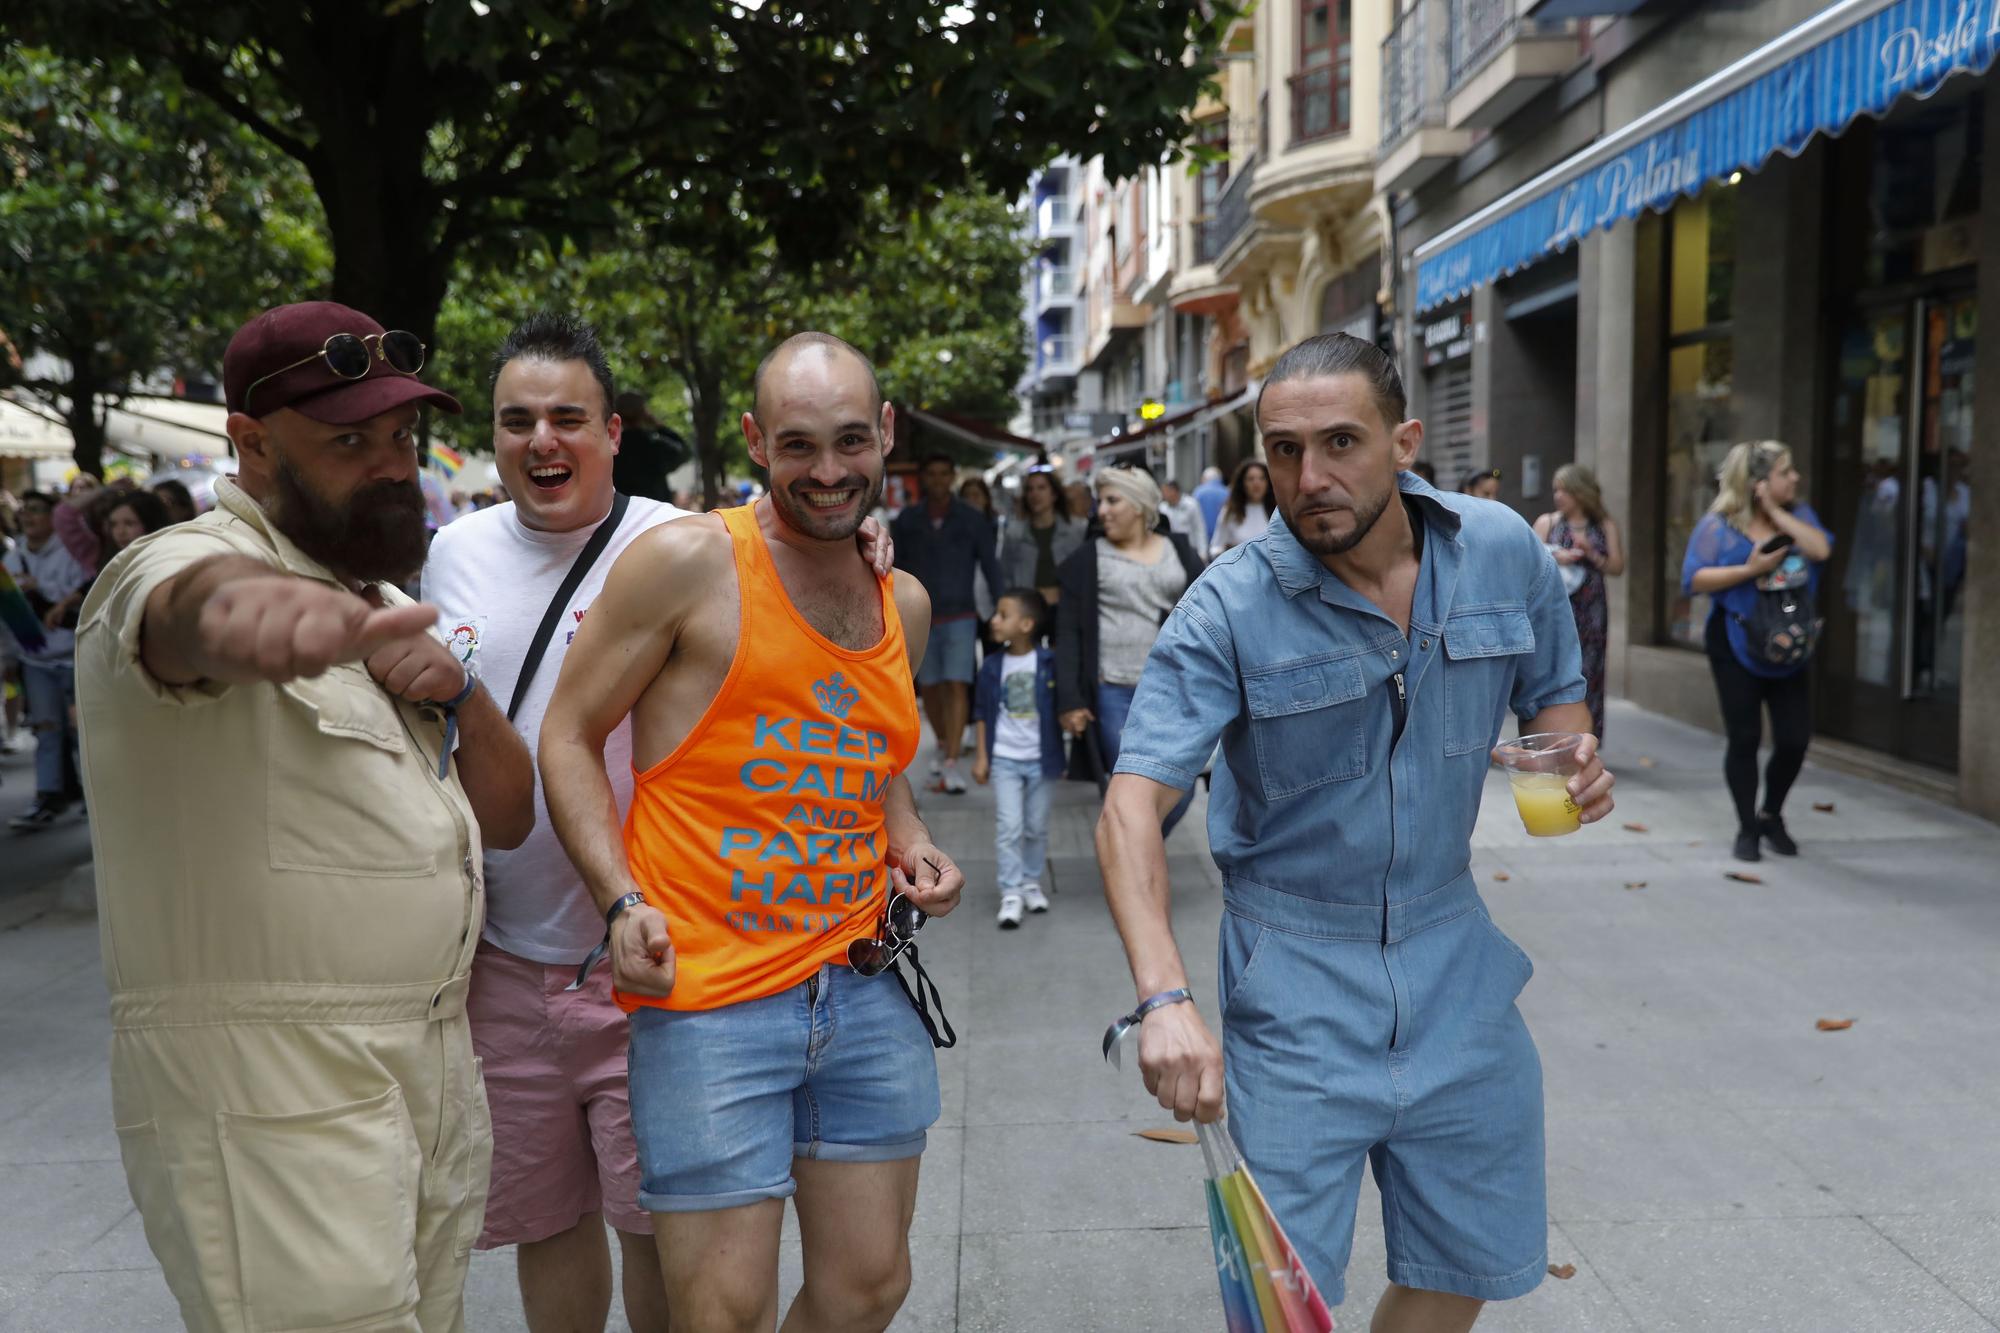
81	413
705	421
392	258
86	428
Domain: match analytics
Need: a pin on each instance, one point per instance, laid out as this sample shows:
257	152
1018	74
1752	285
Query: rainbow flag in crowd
1265	1286
448	459
18	616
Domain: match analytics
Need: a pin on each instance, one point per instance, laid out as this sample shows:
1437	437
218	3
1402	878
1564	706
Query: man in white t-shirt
554	1058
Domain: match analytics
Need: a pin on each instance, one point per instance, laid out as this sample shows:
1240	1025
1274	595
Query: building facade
1632	235
1196	275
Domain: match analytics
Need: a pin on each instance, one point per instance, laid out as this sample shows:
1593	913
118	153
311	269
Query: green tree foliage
932	295
431	126
138	229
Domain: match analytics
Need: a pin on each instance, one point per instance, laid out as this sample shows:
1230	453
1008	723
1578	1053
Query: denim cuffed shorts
1346	1040
951	653
838	1069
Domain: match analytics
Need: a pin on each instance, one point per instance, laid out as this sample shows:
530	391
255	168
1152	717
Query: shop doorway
1899	493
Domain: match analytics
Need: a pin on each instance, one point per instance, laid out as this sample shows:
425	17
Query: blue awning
1854	58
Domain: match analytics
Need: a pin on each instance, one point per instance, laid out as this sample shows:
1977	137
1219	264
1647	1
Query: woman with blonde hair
1756	555
1588	548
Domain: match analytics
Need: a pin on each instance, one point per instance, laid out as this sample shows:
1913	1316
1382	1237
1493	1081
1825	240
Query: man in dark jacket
942	540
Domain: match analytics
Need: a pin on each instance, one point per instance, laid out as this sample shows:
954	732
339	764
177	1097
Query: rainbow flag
1264	1282
448	459
18	616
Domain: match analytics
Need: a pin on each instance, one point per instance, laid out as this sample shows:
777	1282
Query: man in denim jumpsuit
1356	662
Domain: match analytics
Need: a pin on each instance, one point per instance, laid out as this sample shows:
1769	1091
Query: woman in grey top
1036	543
1116	591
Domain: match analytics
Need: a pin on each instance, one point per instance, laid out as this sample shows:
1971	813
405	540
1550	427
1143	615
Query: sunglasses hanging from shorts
894	940
352	355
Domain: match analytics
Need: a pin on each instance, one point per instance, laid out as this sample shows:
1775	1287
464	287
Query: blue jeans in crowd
51	689
1021	822
1114	704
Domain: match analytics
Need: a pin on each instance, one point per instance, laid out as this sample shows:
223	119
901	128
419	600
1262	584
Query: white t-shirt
1018	732
491	576
56	574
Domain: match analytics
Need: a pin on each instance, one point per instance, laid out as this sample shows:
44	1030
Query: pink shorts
555	1079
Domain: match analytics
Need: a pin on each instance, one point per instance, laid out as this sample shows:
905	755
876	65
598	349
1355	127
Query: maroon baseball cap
283	344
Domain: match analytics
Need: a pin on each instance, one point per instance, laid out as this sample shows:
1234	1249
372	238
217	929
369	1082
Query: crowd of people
581	901
52	547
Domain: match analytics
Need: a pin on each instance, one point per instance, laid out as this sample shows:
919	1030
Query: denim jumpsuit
1367	997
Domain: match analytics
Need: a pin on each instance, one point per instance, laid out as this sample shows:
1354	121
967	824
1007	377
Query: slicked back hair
800	341
548	335
1328	354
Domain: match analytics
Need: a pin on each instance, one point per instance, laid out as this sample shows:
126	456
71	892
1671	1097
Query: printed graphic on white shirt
1018	731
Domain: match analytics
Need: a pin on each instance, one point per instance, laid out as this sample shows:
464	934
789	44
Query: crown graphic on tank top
835	695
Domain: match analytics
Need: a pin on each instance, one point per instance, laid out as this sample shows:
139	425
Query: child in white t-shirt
1019	747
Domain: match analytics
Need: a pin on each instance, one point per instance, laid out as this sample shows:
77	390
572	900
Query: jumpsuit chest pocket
1483	646
1308	724
339	756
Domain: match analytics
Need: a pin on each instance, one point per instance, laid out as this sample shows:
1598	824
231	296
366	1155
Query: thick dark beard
1364	524
801	517
377	537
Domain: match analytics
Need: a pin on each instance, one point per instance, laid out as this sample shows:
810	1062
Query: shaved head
810	345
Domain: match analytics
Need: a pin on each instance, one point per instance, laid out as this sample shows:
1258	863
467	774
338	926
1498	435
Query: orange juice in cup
1539	768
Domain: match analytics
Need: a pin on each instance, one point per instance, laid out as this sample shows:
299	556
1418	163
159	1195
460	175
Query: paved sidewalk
1715	1163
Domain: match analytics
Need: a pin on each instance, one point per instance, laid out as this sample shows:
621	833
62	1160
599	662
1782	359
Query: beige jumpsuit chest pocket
339	761
324	1206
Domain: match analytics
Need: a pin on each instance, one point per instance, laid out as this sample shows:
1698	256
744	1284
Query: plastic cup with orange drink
1539	768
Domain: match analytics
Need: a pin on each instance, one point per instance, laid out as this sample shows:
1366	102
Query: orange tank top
761	836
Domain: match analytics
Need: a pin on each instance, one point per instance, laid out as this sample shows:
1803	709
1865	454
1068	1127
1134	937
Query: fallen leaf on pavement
1637	828
1563	1271
1502	876
1824	807
1835	1024
1636	884
1742	877
1647	761
1167	1135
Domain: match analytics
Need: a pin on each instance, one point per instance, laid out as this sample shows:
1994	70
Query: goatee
1364	523
378	536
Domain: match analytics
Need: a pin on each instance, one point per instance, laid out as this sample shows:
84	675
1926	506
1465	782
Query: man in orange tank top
767	671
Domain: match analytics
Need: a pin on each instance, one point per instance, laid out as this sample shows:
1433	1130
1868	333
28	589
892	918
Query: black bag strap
924	997
571	582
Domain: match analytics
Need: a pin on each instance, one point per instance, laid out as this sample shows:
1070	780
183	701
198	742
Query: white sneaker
1037	900
953	782
1010	911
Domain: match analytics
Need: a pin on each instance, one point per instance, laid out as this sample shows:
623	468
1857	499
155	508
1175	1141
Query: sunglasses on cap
352	355
901	920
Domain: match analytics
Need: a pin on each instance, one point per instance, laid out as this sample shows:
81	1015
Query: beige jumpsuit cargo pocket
309	1261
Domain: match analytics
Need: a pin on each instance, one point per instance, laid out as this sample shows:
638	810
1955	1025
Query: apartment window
1321	88
1214	179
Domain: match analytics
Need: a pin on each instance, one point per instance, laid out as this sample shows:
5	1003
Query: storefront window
1701	364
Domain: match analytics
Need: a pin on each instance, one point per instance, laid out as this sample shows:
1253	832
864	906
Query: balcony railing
1055	283
1232	215
1478	29
1413	77
1320	104
1053	215
1057	350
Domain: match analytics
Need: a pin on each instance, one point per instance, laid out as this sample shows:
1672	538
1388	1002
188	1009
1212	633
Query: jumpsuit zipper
1400	704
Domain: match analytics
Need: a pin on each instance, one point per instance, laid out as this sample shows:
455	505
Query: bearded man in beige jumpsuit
288	858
